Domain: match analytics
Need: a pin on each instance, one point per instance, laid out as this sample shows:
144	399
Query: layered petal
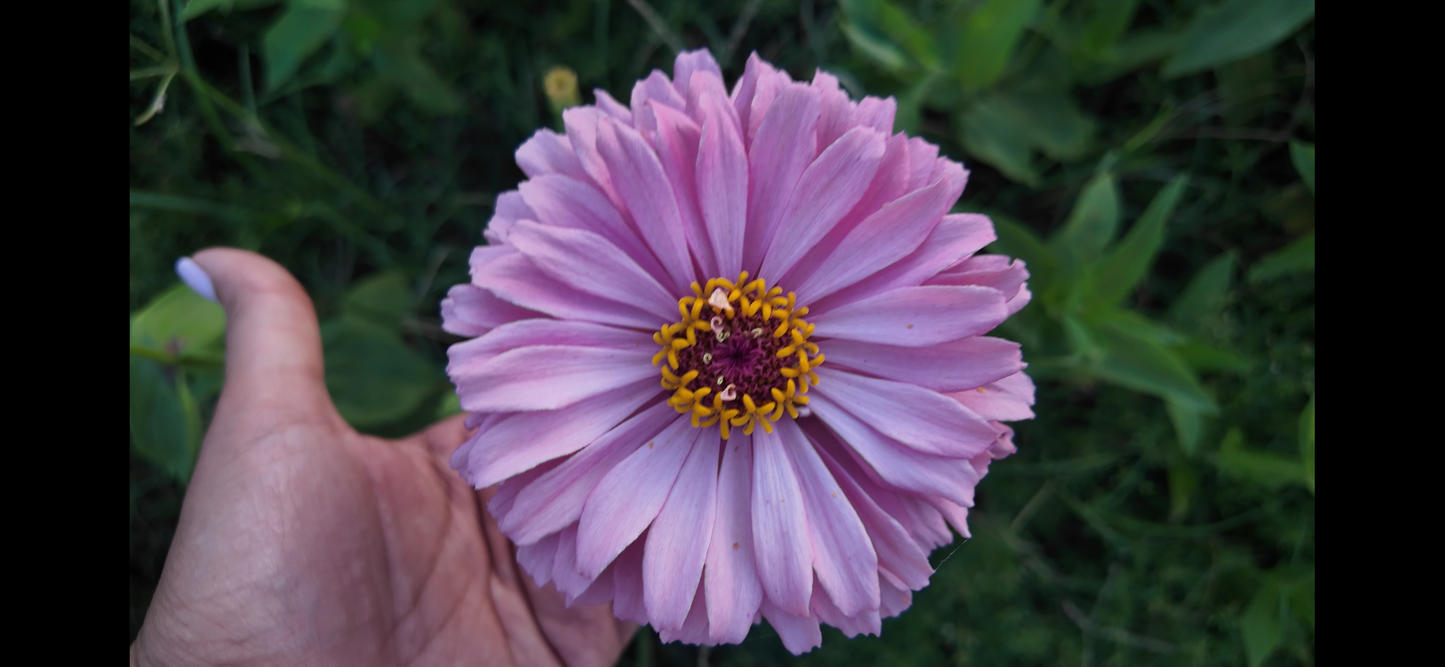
731	574
924	420
915	316
947	367
780	529
777	158
678	544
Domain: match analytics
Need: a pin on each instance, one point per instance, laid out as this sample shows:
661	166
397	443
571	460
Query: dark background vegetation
1153	160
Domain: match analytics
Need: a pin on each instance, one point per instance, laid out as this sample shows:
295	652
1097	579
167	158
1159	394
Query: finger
273	345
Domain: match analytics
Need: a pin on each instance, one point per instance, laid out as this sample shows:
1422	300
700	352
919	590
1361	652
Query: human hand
303	541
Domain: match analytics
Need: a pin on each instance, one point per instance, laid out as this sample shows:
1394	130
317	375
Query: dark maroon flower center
746	357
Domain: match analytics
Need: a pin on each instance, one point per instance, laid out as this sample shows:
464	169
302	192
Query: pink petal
722	186
470	355
644	189
581	126
926	521
922	162
898	465
897	553
865	622
835	114
744	88
556	498
537	559
501	503
1020	300
915	316
469	310
956	515
547	152
590	264
826	192
1006	400
689	62
562	201
731	575
800	632
677	544
627	583
509	208
779	155
922	419
656	87
707	84
519	442
770	84
695	629
677	147
780	529
876	113
601	591
514	278
843	556
630	495
884	237
612	107
564	568
953	366
956	237
996	271
896	600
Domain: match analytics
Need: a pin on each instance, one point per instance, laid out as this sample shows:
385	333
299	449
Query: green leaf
417	79
1297	257
1119	271
1042	105
303	27
1267	469
1188	426
1234	30
1205	294
195	8
165	421
1307	443
1301	594
1136	325
451	404
179	320
383	298
1135	50
372	376
901	28
1303	155
1146	366
1106	23
1205	358
1017	240
1183	483
875	48
1092	224
1261	623
987	38
989	132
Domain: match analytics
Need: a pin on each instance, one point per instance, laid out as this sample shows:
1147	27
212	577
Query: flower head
728	358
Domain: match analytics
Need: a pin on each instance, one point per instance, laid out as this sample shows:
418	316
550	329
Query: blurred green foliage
1151	160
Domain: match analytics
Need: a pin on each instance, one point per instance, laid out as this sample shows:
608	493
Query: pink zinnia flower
784	266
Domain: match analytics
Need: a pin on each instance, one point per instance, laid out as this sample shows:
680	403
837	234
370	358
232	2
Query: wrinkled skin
303	542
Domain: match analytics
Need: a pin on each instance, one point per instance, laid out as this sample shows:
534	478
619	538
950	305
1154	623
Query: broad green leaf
165	422
1136	325
1234	30
1130	53
372	376
875	48
195	8
1092	224
1204	295
1124	266
989	132
178	321
451	404
1017	240
900	27
383	298
1261	623
1297	257
987	38
1108	20
1188	425
1307	442
417	79
1264	468
1148	367
1205	358
1301	594
1183	483
1303	155
1246	88
1043	107
303	27
1080	340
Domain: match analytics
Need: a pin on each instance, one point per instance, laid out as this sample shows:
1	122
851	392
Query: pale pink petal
602	590
771	83
630	495
996	271
743	90
722	185
780	153
472	354
956	515
828	189
800	632
536	559
956	237
915	316
707	84
884	237
677	147
731	575
780	529
928	525
508	209
656	87
581	126
866	622
947	367
547	152
843	557
922	161
515	279
896	599
549	377
689	62
835	111
502	501
612	107
469	310
922	419
695	628
876	113
627	583
1020	300
644	189
1008	399
564	568
520	441
556	498
898	465
588	263
562	201
678	544
898	554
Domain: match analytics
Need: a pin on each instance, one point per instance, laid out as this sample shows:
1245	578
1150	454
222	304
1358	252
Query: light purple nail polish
195	278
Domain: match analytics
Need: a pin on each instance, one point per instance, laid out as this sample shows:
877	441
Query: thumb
273	345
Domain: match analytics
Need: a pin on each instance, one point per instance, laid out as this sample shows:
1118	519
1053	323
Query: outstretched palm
302	541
